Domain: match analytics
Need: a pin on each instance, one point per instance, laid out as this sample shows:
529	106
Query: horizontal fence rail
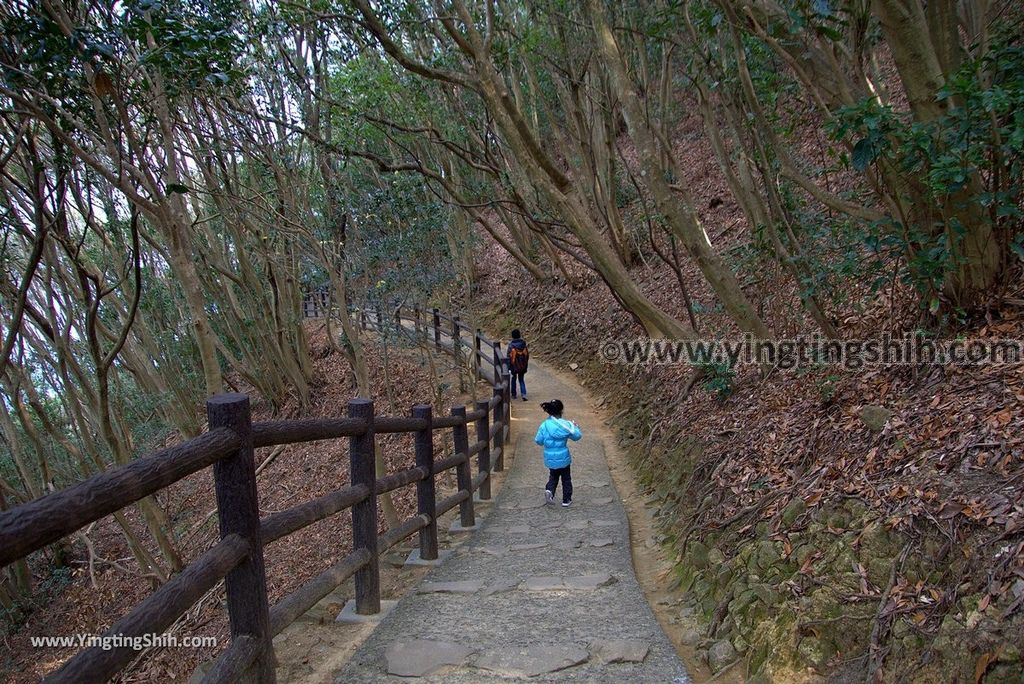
237	559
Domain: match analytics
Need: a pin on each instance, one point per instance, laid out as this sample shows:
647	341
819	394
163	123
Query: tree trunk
920	55
678	213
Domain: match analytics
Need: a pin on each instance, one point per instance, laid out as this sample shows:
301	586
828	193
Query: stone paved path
539	591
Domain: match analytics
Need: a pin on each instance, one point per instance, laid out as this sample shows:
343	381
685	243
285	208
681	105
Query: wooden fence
316	303
228	446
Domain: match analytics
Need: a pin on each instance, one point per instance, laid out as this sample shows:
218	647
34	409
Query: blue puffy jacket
552	435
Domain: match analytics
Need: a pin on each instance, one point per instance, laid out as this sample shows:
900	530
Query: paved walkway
539	591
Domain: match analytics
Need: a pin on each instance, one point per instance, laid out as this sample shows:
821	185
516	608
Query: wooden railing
316	303
229	446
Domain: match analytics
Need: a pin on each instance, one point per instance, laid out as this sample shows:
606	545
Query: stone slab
349	616
462	587
501	586
543	584
497	551
590	581
422	657
515	548
607	651
502	616
414	557
532	661
526	504
583	582
457	527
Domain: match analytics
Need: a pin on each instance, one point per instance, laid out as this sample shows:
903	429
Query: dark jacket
524	363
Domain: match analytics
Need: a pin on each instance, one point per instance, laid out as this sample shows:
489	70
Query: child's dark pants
566	475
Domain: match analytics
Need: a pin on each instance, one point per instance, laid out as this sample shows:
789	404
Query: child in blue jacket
552	435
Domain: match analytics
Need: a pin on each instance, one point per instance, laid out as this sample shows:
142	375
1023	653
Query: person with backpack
552	435
518	362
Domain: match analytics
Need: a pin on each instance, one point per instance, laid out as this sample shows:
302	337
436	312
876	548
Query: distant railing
228	446
316	303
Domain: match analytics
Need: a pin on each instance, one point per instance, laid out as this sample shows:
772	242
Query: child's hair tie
553	407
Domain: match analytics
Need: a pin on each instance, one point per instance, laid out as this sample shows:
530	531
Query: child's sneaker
566	504
549	496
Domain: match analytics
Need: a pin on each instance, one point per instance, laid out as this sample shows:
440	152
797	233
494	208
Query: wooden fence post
362	318
499	416
398	316
426	496
496	358
456	338
239	513
506	383
364	513
483	457
416	321
477	354
463	473
437	328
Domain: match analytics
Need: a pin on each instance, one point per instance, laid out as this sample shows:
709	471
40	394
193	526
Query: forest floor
817	545
785	512
821	543
77	602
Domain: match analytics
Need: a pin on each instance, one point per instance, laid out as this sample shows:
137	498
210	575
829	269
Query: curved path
539	591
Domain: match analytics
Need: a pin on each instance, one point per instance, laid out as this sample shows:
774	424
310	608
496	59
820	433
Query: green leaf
1018	249
864	154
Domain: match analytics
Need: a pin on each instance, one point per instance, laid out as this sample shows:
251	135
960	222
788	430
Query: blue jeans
522	384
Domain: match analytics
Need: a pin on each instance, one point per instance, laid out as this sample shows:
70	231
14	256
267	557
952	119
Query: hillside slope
817	543
84	599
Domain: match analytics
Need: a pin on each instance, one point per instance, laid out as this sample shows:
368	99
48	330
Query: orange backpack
518	359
